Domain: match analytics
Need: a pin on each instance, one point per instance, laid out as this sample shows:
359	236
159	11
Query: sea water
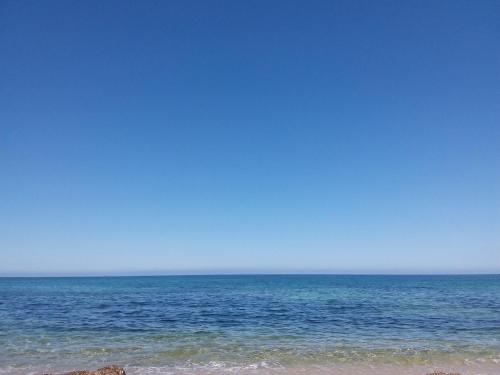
251	324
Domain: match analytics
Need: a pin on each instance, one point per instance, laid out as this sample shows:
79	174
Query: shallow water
252	324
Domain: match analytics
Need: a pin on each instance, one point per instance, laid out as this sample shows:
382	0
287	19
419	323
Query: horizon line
310	273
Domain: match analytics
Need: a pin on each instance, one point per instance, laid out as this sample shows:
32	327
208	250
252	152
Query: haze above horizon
336	136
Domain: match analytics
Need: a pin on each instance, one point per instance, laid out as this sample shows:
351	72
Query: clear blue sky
249	136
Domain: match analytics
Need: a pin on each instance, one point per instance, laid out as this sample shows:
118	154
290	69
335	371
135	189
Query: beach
339	369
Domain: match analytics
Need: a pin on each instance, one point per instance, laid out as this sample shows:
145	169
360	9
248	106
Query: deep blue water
181	321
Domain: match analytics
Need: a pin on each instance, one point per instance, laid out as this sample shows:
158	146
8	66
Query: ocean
258	324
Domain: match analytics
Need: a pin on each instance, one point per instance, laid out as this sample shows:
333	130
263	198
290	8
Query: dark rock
109	370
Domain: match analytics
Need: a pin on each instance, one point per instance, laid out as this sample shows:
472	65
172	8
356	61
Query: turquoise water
236	322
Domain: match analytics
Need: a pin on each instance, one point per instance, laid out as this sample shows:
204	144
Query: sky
152	137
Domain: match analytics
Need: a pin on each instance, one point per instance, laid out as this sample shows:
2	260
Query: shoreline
212	368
